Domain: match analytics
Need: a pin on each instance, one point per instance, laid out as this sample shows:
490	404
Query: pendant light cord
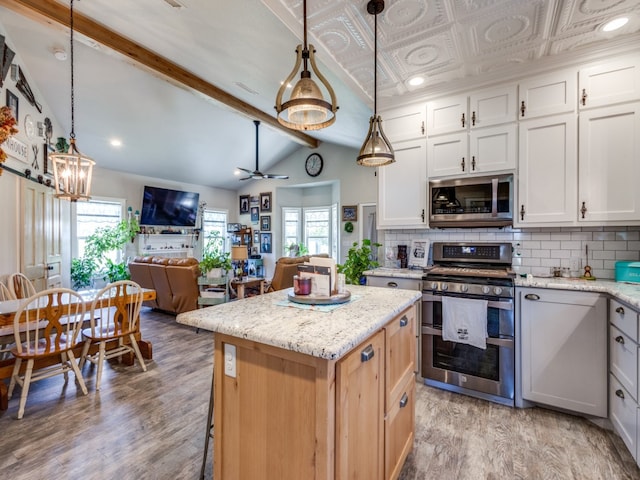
72	135
375	64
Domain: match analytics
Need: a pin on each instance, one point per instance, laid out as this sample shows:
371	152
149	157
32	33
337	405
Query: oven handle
500	342
499	305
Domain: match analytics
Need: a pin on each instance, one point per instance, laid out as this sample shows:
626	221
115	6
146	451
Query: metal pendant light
376	151
72	171
306	109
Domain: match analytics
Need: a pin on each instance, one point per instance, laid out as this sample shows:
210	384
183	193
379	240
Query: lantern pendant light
306	109
376	151
72	171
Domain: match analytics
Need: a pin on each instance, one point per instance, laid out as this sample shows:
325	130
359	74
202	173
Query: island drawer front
400	352
625	318
623	411
399	429
394	282
623	360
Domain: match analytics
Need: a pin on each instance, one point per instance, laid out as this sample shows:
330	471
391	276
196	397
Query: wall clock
313	165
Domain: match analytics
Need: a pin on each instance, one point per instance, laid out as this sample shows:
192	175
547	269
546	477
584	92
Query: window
94	214
215	221
315	227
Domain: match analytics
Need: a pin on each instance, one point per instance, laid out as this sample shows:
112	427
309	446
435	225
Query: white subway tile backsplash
542	248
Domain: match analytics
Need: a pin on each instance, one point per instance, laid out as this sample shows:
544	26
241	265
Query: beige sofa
175	281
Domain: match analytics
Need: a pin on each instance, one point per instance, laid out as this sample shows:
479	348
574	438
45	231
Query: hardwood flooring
152	426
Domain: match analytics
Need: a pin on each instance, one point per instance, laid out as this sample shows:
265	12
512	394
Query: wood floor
152	425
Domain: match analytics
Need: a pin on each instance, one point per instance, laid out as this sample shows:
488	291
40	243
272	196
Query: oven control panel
471	289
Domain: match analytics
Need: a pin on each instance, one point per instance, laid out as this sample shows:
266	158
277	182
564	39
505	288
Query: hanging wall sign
16	149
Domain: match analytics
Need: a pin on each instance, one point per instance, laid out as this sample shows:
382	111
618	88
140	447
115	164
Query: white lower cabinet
563	339
624	411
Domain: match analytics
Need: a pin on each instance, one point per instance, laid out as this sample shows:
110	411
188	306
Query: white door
548	94
609	166
548	171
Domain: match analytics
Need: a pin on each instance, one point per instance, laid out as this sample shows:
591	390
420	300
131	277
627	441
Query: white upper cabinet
493	149
492	107
448	155
402	187
609	166
604	84
548	95
548	171
406	123
447	115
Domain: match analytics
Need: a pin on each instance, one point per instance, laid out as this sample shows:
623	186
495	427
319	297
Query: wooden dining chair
5	293
115	313
20	286
6	333
47	325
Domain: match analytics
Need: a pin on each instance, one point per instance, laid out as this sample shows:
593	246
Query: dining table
8	310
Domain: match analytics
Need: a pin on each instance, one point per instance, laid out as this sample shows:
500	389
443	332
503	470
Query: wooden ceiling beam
52	12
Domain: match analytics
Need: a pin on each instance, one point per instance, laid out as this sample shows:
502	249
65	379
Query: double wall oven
473	271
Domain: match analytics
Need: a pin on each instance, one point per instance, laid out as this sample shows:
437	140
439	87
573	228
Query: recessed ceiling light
60	54
615	24
116	142
415	81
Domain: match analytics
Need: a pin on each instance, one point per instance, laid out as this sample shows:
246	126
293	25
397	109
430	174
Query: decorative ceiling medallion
335	41
404	13
506	29
422	56
590	7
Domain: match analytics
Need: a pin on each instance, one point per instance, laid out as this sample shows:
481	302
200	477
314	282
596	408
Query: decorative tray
320	300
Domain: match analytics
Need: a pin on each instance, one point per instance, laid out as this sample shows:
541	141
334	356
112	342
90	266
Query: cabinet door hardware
522	109
620	339
532	296
584	97
463	121
522	212
422	128
404	321
462	164
404	400
473	163
367	354
392	284
422	215
583	210
620	310
473	119
620	394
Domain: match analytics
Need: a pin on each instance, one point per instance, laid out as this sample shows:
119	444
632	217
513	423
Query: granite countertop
626	292
324	334
415	273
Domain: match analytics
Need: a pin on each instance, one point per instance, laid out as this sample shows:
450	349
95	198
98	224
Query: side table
240	285
213	291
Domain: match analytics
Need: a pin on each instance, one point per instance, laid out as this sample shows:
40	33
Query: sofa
175	281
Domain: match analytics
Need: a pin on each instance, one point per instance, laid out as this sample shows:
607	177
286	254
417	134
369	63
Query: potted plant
215	260
358	260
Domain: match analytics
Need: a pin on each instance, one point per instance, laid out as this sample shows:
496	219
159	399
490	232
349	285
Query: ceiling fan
257	173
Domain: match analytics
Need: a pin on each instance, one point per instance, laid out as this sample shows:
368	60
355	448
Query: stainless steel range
472	271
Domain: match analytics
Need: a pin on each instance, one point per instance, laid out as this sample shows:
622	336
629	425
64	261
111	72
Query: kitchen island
319	392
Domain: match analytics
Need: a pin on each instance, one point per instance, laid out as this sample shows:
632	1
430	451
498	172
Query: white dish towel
464	320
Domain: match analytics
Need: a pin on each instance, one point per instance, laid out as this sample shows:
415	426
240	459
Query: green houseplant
213	255
358	260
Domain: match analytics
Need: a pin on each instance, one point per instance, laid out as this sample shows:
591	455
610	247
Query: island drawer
623	360
623	412
394	282
399	429
400	352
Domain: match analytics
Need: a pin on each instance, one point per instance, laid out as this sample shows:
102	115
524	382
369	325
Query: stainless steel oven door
489	373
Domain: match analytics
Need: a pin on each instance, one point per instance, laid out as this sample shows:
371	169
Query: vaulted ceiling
187	77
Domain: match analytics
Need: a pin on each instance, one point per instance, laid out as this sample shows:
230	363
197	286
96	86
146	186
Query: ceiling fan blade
244	170
245	178
276	176
257	174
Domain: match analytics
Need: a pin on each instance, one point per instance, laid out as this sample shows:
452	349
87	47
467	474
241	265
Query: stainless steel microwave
471	202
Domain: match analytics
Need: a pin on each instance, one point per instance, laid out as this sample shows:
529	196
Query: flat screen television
171	208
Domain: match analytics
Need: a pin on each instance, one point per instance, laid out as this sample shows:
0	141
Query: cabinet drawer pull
404	400
620	394
532	296
620	339
367	354
392	284
620	310
404	321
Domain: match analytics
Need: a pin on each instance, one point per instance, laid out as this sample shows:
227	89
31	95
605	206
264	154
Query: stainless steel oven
477	274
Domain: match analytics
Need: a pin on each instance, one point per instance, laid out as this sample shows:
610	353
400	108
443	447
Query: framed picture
12	103
265	242
233	227
244	204
265	202
265	223
255	214
256	237
349	213
419	253
255	201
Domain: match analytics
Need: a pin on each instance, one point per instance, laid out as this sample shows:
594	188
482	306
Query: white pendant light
306	108
72	171
376	151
